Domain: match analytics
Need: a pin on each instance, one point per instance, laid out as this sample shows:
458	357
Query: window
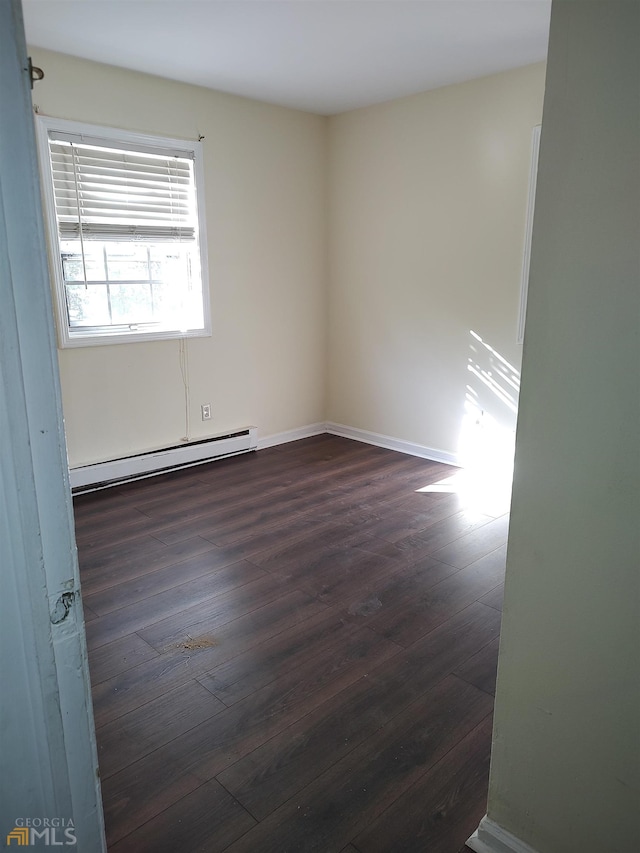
126	220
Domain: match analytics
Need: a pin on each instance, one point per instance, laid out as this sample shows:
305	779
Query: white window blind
114	193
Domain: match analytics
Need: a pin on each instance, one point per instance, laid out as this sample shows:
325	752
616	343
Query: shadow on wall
487	434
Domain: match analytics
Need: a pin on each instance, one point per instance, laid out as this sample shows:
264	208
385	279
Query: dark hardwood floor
292	650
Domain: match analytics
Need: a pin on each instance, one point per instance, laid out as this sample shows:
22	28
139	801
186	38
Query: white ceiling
323	56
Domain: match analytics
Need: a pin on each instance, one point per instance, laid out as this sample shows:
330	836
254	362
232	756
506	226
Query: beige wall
427	211
350	261
566	757
265	189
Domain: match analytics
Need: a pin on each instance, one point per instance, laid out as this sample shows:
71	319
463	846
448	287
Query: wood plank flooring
292	650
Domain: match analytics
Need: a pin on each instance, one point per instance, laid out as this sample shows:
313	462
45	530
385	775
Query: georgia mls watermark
42	832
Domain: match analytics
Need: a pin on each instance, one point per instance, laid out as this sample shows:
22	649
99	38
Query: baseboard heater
103	474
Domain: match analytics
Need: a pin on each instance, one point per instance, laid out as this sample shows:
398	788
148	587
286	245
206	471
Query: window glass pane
167	301
71	251
170	262
147	283
87	305
173	307
131	303
127	261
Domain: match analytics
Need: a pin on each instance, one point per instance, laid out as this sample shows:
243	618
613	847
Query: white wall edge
528	233
292	435
390	443
490	837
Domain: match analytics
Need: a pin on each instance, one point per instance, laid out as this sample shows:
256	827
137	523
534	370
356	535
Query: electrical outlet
205	408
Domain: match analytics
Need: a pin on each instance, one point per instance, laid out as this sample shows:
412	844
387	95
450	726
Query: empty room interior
295	509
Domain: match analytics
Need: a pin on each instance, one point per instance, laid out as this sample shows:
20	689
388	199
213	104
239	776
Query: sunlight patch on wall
487	434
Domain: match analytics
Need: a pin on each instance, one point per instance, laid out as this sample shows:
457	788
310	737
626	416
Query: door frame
48	760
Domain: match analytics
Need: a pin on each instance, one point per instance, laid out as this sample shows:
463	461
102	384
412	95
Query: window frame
105	335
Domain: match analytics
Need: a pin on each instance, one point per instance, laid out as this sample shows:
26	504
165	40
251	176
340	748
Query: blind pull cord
75	184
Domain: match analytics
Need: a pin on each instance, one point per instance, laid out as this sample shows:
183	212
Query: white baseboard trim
489	837
363	435
291	435
147	463
392	443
